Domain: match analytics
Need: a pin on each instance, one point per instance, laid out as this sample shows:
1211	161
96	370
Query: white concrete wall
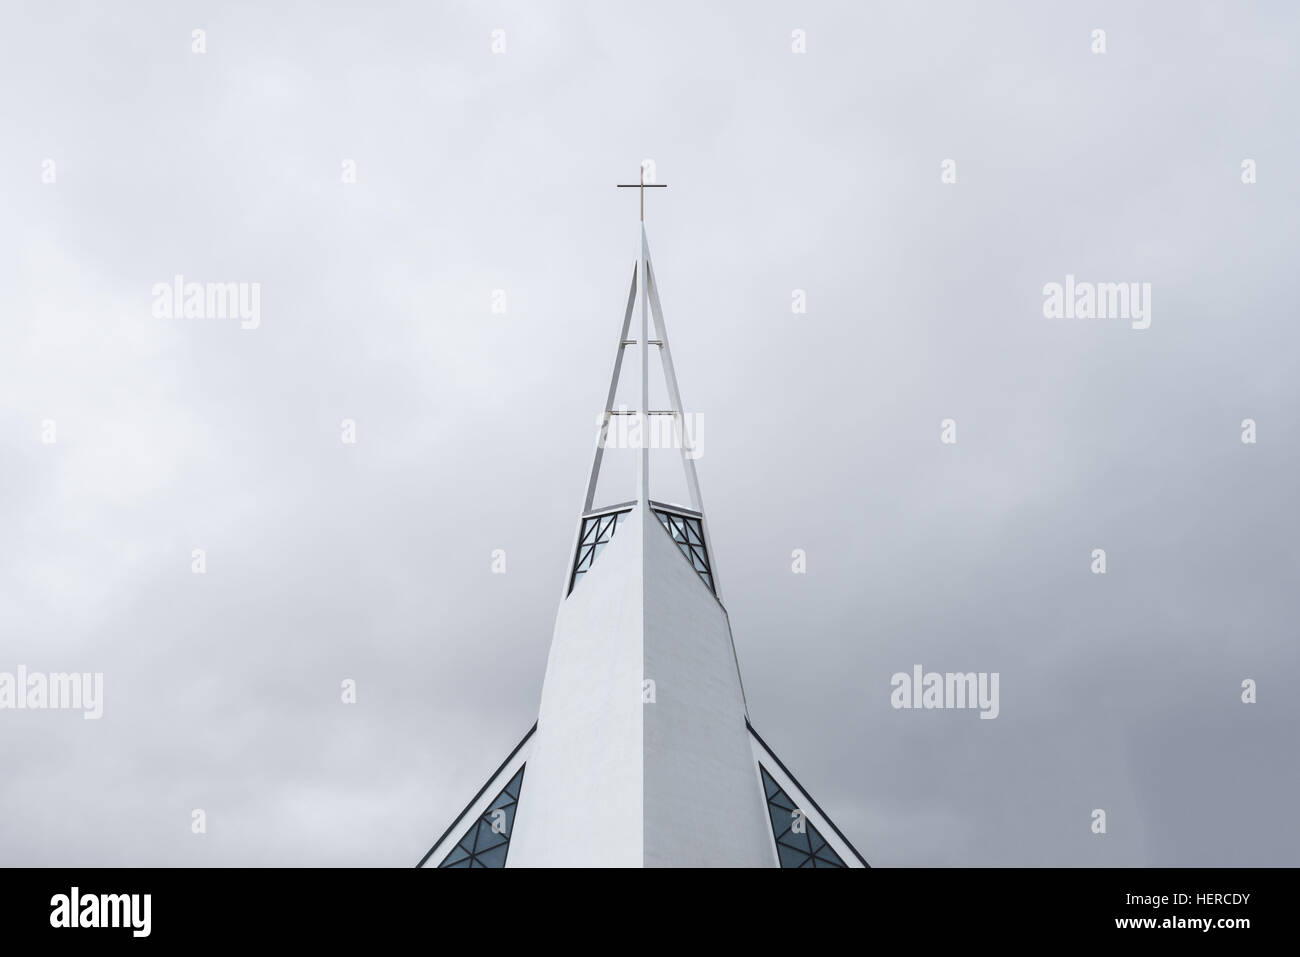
703	805
581	804
613	781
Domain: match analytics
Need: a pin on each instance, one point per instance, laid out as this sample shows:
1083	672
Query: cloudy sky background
819	172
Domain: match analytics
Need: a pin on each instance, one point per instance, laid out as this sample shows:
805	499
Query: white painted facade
585	781
701	806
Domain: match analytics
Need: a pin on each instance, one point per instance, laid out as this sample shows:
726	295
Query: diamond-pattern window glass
689	536
596	534
486	843
801	847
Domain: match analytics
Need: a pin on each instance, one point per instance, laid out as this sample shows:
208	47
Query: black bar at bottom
985	906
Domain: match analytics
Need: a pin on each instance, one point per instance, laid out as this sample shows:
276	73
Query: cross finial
642	186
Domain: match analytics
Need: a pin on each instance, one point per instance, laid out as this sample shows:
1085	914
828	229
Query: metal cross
642	186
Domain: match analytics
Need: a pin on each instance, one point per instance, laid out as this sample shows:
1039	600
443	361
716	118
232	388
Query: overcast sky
820	171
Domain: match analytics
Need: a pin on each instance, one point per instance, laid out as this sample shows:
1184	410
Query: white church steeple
642	754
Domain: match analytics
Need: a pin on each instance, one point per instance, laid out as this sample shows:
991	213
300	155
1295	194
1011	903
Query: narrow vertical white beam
643	455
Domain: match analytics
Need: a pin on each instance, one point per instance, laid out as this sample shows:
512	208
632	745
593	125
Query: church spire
642	754
685	522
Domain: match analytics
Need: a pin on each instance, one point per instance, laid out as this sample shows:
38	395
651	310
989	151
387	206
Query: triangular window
486	843
597	530
686	531
798	842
